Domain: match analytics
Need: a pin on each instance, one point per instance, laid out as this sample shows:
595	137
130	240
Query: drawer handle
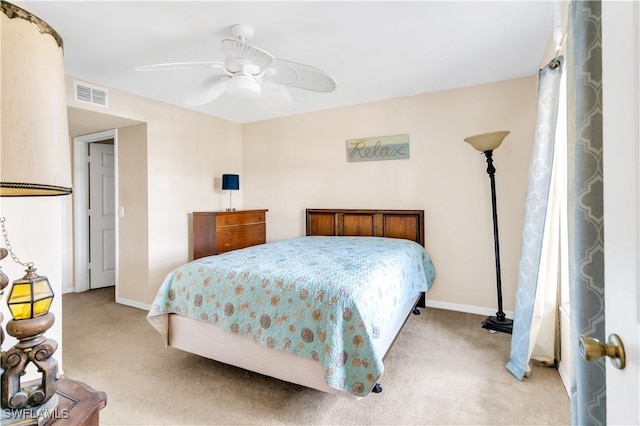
227	245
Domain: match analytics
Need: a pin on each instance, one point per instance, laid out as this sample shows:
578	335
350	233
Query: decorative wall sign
395	147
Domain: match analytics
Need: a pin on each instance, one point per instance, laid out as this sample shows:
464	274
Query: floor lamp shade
487	141
35	155
231	182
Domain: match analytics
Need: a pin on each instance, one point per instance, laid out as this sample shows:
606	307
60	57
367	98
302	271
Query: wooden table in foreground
78	404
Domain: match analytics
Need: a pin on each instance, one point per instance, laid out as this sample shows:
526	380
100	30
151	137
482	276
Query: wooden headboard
407	224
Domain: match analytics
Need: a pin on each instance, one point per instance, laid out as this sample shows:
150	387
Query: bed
321	310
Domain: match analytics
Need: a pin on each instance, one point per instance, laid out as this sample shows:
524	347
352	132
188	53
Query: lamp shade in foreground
35	153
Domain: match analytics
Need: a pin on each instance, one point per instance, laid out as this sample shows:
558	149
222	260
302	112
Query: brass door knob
592	349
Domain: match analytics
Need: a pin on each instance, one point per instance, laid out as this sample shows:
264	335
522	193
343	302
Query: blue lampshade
231	182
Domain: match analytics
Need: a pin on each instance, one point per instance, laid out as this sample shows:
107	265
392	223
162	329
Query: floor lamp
487	143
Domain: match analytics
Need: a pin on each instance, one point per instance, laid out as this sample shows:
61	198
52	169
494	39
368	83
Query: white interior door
621	114
102	241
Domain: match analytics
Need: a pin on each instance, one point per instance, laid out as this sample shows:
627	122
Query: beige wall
300	162
187	153
133	258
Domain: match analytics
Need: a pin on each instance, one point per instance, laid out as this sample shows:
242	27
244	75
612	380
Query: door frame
81	205
621	111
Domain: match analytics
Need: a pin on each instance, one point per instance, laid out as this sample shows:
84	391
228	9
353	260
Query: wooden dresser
219	232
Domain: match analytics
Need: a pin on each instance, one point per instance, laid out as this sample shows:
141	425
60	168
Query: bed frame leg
416	311
377	388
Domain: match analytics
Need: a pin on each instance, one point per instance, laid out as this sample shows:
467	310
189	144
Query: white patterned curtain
586	210
534	324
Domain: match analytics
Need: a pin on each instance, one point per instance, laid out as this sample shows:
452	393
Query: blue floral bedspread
325	298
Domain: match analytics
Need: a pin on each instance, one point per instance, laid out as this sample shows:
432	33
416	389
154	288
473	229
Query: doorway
95	195
102	248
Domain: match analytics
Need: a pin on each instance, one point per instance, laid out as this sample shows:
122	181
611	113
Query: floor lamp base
495	324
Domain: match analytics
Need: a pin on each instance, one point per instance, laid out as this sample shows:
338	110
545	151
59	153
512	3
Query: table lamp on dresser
230	183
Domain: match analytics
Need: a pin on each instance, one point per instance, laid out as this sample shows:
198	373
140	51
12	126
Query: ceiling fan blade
208	91
237	49
181	66
302	76
275	98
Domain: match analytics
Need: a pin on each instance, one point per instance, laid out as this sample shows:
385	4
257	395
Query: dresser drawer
236	237
219	232
239	218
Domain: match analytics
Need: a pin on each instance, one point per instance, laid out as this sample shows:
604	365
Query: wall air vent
88	93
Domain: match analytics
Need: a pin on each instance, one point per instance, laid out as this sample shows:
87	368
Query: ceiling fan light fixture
244	86
246	52
275	99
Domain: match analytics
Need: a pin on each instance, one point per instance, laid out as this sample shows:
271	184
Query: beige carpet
443	369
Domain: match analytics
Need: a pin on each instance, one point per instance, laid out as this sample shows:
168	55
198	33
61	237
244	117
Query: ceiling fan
250	72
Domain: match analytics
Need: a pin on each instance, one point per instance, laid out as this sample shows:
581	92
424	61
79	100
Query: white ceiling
374	49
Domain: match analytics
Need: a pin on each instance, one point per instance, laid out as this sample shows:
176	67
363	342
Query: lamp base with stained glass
29	302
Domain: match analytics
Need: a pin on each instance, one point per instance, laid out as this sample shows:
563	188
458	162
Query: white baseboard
133	303
465	308
121	300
